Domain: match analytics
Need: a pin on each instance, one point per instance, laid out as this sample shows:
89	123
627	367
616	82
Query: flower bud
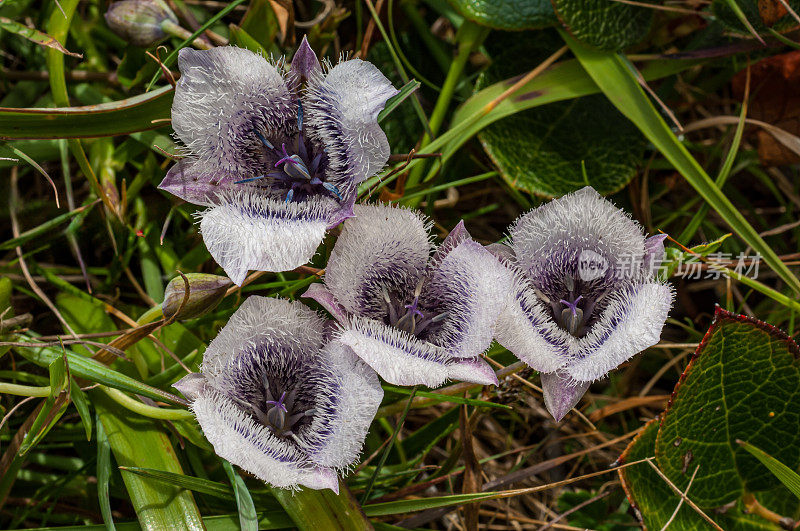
205	292
140	21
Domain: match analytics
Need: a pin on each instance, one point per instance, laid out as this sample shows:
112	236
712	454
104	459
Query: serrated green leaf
656	502
508	14
604	24
786	475
138	113
743	383
544	150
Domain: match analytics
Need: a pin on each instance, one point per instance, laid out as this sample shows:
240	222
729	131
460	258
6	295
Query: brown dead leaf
771	11
775	100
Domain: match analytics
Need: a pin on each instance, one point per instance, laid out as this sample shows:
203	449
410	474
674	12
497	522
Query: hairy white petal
582	219
243	442
398	357
380	246
249	231
631	323
473	370
266	323
341	112
473	287
526	328
223	96
358	393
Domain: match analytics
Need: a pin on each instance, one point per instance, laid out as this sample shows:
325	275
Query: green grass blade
563	81
104	475
788	477
397	99
44	230
444	398
203	486
248	519
94	371
613	75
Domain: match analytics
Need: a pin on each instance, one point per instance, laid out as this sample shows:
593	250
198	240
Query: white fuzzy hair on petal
341	110
381	246
243	442
223	96
526	329
631	323
250	231
397	356
261	322
473	287
358	393
580	218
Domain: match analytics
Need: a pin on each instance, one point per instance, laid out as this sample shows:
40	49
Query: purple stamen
279	403
573	306
286	157
412	308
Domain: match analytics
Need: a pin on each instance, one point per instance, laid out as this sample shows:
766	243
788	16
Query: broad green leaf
743	383
786	475
137	113
138	441
656	502
544	150
204	486
314	510
508	14
248	519
605	24
614	74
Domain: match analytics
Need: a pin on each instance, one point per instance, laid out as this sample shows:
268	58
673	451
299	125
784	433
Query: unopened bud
205	293
140	22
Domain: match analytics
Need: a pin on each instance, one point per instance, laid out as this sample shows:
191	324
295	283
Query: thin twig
680	502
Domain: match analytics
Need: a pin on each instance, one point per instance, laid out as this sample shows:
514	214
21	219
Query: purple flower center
298	171
283	414
410	317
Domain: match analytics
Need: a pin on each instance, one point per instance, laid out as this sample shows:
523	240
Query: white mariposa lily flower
278	399
586	295
276	155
